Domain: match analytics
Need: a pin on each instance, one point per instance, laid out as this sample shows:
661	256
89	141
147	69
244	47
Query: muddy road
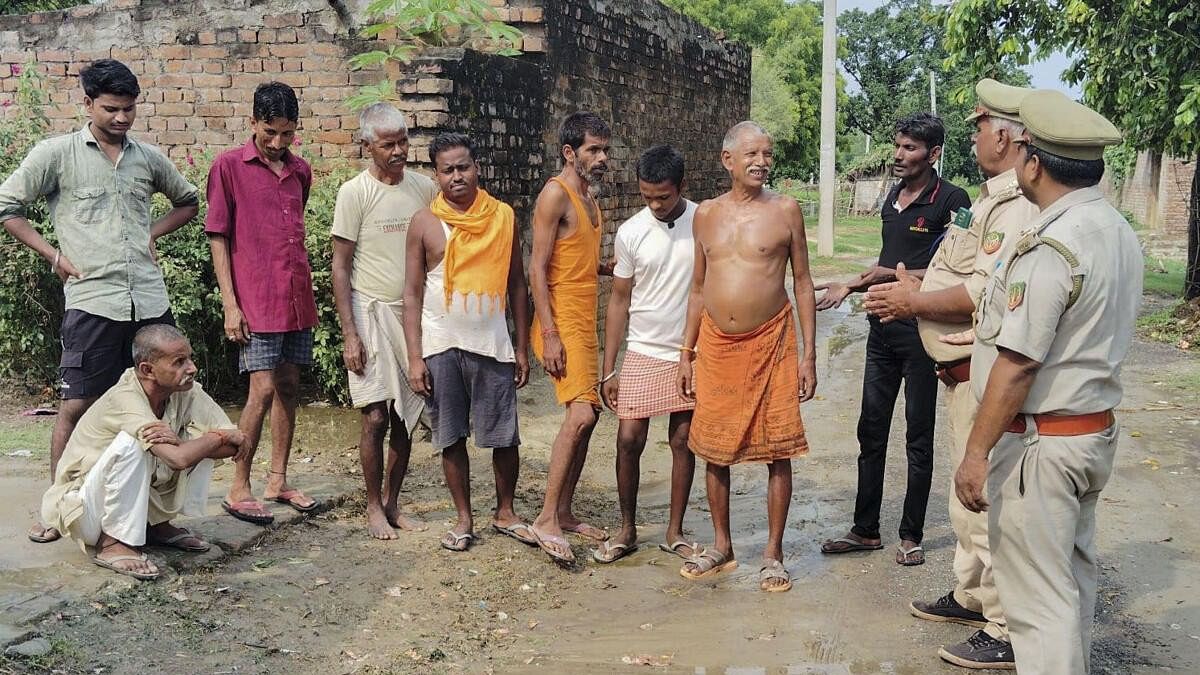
321	597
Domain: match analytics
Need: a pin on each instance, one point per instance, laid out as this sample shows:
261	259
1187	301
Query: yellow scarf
478	250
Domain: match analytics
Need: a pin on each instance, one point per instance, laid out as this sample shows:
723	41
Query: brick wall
1156	193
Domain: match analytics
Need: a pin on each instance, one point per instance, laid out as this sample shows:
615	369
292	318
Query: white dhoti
380	326
129	488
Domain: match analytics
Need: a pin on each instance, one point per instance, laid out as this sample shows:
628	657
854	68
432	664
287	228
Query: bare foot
43	534
379	524
402	521
569	523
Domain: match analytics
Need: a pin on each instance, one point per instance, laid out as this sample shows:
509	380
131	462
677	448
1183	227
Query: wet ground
321	597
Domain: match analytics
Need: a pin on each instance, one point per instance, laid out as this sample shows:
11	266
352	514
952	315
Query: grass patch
26	435
1164	276
64	657
1177	324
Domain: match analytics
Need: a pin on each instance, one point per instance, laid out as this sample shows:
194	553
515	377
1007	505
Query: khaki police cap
996	99
1065	128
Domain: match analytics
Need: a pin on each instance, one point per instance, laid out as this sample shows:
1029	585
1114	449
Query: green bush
31	298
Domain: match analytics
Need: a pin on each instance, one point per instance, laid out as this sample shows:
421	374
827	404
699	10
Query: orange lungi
574	288
747	393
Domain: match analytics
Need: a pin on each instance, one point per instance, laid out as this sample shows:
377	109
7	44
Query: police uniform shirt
968	254
911	235
1027	306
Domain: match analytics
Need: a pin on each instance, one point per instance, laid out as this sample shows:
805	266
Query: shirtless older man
739	355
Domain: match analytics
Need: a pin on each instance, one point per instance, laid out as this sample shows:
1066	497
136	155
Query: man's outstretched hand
893	300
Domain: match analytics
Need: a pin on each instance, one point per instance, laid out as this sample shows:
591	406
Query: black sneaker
946	608
980	651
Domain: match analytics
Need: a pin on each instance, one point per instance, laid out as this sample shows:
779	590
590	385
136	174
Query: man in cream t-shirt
651	281
370	223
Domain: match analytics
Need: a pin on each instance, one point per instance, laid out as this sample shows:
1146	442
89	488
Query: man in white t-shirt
651	282
370	223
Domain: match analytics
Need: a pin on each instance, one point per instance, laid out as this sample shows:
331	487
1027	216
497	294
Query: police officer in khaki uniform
944	304
1054	325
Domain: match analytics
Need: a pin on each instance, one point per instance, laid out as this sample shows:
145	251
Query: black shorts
96	350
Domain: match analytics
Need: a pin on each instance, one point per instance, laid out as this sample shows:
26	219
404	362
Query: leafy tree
1136	60
788	35
889	54
770	100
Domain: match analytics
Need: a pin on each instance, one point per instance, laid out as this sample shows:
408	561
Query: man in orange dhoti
563	281
739	355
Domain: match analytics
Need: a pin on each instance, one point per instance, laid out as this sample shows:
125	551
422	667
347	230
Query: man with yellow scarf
463	259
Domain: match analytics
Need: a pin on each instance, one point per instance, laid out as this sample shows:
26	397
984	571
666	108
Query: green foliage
411	25
788	38
31	6
1136	61
889	54
30	294
1119	162
770	100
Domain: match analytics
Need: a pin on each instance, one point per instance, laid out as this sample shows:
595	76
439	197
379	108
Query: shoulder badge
962	217
992	241
1016	294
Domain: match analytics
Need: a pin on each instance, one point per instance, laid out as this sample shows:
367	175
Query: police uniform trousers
1042	522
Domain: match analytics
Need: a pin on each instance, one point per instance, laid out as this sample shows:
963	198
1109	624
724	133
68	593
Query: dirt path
323	598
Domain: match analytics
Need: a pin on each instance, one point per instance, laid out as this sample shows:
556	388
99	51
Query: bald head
154	340
737	131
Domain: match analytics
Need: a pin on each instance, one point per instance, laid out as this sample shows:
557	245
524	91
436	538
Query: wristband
549	331
54	265
608	377
687	349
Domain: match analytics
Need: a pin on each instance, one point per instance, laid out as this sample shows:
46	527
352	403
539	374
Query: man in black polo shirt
915	214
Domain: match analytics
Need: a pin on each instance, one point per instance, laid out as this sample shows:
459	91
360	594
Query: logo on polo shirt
919	226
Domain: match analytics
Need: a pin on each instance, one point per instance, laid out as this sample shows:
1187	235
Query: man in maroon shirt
255	227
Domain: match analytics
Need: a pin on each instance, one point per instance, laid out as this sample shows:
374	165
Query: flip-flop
515	531
589	531
609	553
177	542
674	548
240	510
708	563
567	559
852	545
452	541
917	552
45	537
110	564
289	498
773	569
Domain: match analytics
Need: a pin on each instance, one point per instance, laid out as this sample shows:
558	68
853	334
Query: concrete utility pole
933	109
828	129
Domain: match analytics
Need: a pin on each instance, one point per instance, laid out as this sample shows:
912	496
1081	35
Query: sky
1044	74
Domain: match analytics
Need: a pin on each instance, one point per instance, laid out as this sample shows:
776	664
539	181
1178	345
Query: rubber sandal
515	531
610	553
45	537
110	564
708	563
567	558
919	558
852	545
289	497
452	541
674	548
774	569
176	542
589	531
240	510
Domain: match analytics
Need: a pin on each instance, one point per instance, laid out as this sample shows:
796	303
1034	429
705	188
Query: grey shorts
267	350
472	391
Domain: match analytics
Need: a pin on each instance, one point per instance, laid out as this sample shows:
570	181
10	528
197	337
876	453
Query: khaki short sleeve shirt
1080	241
967	256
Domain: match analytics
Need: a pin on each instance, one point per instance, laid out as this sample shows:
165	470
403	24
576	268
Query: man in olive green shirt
98	183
